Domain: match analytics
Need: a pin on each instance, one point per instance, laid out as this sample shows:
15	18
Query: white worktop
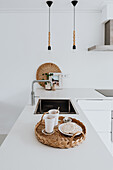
78	93
22	151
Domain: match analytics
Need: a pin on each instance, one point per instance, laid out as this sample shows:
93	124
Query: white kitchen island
22	151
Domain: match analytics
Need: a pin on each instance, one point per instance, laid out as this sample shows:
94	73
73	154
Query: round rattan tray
57	139
46	68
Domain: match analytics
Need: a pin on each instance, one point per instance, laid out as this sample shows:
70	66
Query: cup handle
41	119
71	140
43	115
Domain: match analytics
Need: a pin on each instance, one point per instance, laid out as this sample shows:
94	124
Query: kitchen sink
44	105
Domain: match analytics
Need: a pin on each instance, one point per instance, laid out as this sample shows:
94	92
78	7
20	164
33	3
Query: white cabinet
95	104
100	120
98	113
112	105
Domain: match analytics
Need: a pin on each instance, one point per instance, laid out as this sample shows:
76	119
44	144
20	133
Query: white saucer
45	133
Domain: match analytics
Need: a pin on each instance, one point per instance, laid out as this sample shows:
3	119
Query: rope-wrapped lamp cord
49	31
49	3
74	4
74	30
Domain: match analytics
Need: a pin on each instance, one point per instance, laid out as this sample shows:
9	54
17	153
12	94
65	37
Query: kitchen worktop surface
77	93
21	150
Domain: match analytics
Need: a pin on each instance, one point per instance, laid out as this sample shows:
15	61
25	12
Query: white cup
54	112
49	123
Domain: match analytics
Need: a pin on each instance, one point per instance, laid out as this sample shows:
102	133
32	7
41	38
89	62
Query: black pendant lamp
49	3
74	4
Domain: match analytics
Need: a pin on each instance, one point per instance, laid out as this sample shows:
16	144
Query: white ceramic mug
49	123
55	112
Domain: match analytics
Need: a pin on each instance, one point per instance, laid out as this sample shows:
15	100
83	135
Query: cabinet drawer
100	120
94	105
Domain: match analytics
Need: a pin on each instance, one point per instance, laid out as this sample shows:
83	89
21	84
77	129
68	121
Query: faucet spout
33	93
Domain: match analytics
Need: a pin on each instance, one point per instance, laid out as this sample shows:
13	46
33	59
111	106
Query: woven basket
46	68
57	139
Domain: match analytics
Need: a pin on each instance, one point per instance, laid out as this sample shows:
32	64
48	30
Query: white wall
23	47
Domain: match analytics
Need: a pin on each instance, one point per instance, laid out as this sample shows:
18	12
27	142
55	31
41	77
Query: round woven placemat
46	68
57	139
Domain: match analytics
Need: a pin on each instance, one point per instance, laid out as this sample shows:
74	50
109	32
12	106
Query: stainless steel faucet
32	92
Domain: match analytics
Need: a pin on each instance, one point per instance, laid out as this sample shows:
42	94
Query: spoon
58	108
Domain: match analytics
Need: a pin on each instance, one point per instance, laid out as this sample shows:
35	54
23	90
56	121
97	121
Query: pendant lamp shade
49	3
74	3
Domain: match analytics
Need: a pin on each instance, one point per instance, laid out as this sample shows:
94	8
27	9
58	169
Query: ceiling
57	4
